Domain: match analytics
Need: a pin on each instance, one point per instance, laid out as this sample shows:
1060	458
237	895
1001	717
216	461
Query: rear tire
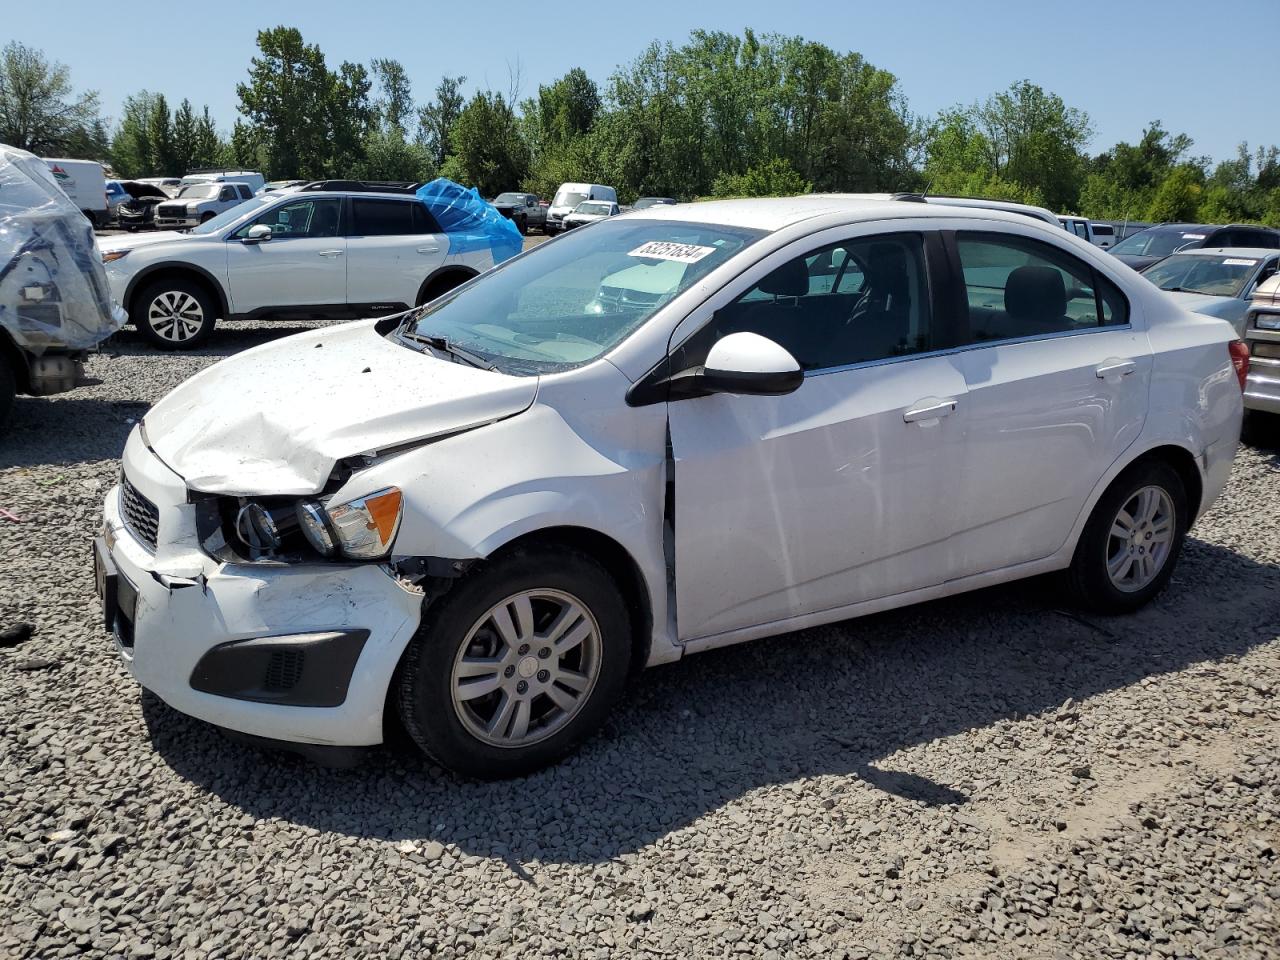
553	626
1132	540
440	286
176	314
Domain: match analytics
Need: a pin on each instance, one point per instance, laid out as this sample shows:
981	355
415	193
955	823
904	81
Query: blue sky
1203	69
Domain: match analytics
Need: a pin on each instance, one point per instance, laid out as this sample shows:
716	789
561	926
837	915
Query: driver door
302	265
836	493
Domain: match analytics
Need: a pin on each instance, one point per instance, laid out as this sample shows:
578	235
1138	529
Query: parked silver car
1217	282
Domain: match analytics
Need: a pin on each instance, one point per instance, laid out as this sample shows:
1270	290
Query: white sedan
681	429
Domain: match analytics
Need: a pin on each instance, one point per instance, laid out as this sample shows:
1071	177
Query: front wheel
523	226
1132	541
174	314
517	664
8	388
206	217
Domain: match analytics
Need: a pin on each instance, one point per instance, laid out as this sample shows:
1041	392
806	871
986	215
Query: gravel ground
985	776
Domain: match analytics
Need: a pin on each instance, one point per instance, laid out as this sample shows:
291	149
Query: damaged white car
680	429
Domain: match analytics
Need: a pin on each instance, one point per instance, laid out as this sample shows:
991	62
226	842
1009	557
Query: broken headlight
361	529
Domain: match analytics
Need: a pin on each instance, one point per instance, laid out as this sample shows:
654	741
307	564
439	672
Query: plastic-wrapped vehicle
54	301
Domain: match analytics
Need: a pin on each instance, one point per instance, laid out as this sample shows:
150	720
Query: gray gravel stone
992	775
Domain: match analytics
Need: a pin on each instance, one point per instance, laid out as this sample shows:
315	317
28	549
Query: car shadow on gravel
693	736
227	338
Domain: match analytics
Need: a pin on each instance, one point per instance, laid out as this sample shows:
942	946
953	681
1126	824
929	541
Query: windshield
566	303
228	217
1223	276
510	198
604	208
1156	243
566	198
199	191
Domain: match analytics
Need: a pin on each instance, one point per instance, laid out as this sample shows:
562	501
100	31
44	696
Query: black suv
1152	245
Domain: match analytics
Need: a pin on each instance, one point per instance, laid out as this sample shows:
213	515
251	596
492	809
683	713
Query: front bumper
177	223
185	604
1262	389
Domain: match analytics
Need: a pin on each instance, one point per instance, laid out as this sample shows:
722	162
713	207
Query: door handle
930	408
1115	367
330	253
430	249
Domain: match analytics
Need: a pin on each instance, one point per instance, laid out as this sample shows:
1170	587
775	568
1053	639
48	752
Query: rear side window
244	192
1102	230
1017	287
385	218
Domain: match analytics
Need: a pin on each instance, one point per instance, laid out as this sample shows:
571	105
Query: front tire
517	664
176	314
1132	540
8	388
523	226
206	217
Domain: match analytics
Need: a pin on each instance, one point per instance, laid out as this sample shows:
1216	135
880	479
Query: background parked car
1262	334
332	249
1099	234
569	195
272	186
523	209
644	202
591	211
197	203
85	182
168	184
1155	243
1215	282
138	209
255	180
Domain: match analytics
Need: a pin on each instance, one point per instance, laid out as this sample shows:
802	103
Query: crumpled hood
275	419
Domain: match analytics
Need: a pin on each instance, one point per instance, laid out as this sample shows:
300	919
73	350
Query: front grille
172	210
284	670
140	514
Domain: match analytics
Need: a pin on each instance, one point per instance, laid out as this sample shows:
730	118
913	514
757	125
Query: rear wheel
174	314
1132	541
517	664
441	285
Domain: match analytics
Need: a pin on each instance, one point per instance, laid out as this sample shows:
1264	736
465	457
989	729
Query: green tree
287	101
487	149
38	109
1178	196
184	137
394	105
131	145
774	178
350	119
1122	181
160	140
206	146
436	119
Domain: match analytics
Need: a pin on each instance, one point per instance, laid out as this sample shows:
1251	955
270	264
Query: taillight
1240	360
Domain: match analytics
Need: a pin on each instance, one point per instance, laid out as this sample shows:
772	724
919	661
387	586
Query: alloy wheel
526	668
175	316
1141	538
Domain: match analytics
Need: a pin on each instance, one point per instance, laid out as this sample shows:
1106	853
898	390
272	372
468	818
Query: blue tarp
471	223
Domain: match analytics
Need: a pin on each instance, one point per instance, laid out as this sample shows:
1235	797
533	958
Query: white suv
683	428
329	250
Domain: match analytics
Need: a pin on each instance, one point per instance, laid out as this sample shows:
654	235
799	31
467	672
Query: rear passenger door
1057	381
392	247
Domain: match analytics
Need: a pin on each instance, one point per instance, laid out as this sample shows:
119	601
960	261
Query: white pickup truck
196	203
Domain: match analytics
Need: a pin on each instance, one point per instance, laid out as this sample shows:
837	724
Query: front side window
851	302
227	193
300	218
383	218
1017	287
566	303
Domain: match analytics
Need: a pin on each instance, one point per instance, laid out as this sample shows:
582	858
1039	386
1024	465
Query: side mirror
747	363
258	233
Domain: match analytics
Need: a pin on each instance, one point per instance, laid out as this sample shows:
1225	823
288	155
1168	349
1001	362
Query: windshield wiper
443	345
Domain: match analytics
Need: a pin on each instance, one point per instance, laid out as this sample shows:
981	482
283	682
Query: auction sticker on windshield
664	250
1238	262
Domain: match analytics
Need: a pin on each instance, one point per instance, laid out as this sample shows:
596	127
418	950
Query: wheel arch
16	360
1183	461
437	278
172	268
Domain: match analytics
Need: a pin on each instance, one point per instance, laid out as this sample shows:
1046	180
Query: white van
85	182
255	180
569	196
1099	234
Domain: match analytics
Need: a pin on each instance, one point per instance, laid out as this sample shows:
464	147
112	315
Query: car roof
1257	253
775	213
